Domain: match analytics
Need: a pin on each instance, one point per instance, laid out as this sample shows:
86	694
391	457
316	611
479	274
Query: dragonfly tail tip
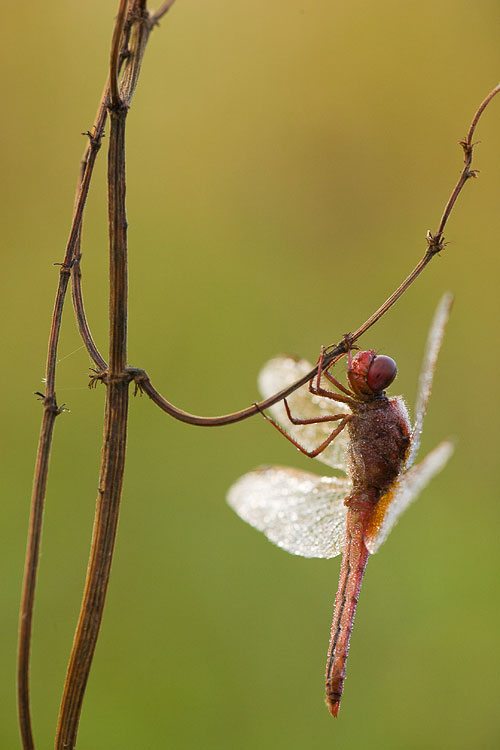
333	707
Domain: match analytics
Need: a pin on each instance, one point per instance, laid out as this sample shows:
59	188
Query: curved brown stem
95	138
134	56
81	318
435	243
144	384
114	65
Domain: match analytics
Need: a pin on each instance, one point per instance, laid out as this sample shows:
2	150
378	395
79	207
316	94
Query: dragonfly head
369	374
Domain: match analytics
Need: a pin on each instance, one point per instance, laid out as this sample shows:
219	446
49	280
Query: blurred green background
285	160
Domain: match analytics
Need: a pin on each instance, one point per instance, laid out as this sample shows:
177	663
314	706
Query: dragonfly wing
434	341
285	370
300	512
405	490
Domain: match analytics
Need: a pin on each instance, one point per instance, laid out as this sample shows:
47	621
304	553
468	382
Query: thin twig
114	66
76	288
76	293
435	244
436	241
30	570
76	274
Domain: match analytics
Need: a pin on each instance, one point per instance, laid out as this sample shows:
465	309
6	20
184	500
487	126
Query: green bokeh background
285	160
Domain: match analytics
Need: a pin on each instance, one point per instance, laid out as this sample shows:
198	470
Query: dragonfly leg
319	391
320	448
350	347
337	384
314	420
327	375
315	383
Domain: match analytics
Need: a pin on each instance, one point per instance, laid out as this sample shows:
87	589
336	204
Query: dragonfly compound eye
381	372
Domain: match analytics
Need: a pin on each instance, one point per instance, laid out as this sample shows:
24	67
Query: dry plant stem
435	244
117	380
76	275
76	293
51	410
113	452
103	538
30	570
114	64
76	286
436	241
76	289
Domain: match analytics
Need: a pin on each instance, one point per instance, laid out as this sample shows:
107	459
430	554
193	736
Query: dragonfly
374	444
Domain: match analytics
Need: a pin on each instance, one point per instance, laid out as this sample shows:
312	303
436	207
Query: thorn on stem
467	147
94	138
99	375
139	377
65	267
348	342
138	381
50	403
435	242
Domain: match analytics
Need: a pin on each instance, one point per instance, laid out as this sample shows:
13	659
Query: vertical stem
118	271
30	573
103	538
113	451
51	410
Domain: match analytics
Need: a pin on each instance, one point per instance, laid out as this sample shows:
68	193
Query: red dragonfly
374	444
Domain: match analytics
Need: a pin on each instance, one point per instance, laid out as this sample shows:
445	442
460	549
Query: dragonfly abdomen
352	570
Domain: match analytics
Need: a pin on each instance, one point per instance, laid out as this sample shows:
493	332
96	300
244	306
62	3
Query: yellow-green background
285	160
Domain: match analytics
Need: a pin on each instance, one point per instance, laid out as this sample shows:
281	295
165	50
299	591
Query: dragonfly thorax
379	433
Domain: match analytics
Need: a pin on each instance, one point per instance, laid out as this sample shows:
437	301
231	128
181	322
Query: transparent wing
282	371
434	341
300	512
405	490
